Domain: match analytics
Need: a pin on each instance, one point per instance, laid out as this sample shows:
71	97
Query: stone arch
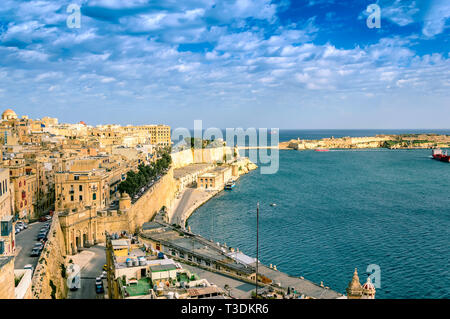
78	240
85	237
71	242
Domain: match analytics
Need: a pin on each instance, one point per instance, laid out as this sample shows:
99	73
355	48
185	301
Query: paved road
89	272
183	205
25	240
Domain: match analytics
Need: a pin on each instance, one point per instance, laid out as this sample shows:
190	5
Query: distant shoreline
396	141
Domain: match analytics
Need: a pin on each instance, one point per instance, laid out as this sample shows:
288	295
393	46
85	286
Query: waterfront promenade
304	286
189	200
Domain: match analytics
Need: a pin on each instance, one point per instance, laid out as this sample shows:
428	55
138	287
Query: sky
301	64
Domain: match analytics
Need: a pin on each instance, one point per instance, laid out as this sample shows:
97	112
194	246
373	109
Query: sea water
340	210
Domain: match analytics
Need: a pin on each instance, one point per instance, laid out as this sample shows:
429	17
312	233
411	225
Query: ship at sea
322	150
441	156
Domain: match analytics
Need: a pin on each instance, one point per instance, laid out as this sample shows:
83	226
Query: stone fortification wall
198	156
47	281
146	207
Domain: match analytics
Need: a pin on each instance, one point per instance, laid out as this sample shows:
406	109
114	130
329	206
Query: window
71	198
6	228
94	196
76	177
80	188
81	198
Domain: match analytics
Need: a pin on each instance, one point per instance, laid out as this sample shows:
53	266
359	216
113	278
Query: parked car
35	252
48	217
29	266
104	275
41	236
105	267
98	281
99	289
38	245
19	225
43	219
43	232
17	230
22	225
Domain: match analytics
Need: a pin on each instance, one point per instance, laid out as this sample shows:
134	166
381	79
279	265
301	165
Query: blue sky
238	63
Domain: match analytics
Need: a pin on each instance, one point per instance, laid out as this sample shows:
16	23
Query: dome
9	114
368	290
368	285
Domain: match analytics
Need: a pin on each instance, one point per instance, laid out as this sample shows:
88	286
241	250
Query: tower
124	202
354	288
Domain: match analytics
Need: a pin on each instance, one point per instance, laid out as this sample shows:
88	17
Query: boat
322	150
273	204
440	156
230	185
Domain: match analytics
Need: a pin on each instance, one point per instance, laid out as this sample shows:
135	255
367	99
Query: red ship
322	150
440	156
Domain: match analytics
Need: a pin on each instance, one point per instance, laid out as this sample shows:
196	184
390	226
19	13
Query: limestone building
7	235
9	115
215	179
24	185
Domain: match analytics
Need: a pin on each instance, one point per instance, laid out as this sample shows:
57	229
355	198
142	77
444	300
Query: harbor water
340	210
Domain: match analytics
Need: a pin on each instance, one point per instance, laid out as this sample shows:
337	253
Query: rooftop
166	267
141	288
197	246
195	292
302	286
118	243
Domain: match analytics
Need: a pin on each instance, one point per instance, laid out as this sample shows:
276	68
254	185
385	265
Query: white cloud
436	19
400	12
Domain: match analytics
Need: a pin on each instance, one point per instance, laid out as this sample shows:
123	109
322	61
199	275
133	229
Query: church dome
368	290
368	285
9	114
